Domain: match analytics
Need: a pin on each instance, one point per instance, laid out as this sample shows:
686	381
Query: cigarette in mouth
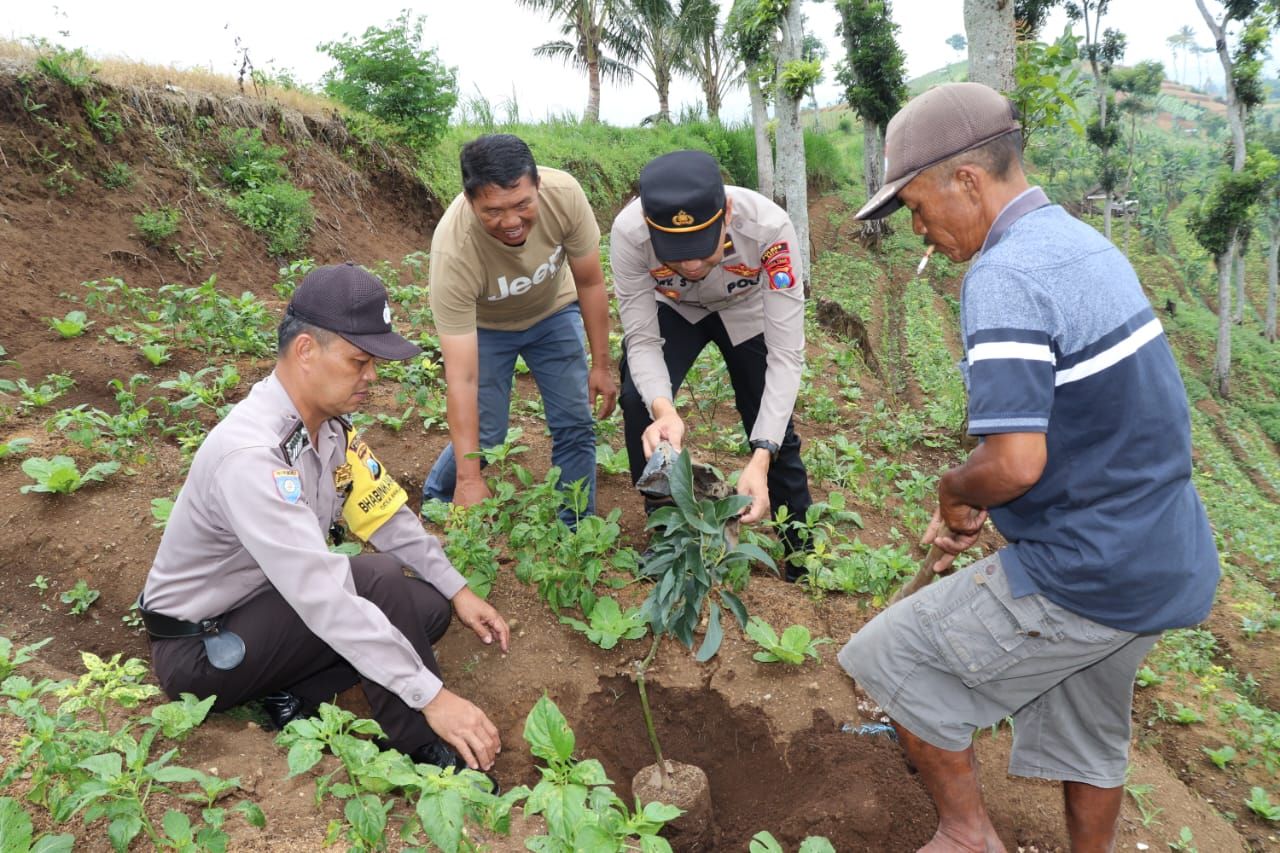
928	253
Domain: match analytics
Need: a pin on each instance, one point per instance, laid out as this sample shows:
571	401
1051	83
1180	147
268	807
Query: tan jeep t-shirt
477	281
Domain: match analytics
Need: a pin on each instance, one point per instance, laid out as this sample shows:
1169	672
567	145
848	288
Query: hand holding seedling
464	727
667	426
753	482
481	617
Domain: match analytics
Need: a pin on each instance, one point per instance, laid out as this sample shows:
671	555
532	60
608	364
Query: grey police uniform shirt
255	512
755	289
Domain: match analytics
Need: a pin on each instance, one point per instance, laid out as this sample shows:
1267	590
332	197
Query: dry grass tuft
129	74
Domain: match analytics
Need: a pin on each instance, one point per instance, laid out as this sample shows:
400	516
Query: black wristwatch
762	444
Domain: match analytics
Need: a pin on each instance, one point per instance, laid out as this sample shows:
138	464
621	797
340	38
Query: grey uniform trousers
281	653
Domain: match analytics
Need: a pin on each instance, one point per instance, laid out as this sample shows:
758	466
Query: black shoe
441	755
283	708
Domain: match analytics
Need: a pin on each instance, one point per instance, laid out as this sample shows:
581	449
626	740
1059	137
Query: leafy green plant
11	660
280	212
444	800
1185	842
612	461
764	842
1141	793
14	447
1185	715
608	624
70	326
117	176
156	226
794	645
1147	677
1222	756
574	797
19	835
161	509
80	597
1260	804
156	353
72	67
251	162
53	387
40	584
103	119
60	475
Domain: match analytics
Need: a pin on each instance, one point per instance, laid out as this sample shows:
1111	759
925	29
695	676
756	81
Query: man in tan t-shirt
515	271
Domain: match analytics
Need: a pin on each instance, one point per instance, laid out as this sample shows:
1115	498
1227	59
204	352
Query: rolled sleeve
284	540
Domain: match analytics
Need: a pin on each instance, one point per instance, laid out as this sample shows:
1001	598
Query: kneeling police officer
245	601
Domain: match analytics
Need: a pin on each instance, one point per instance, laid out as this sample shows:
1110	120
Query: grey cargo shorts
963	654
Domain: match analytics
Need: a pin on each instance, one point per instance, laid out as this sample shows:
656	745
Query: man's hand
949	541
601	387
754	483
464	727
667	426
470	491
958	516
480	616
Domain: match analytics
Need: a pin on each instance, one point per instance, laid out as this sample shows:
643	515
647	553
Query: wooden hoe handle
924	576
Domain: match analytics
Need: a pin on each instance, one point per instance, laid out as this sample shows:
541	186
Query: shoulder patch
777	264
288	484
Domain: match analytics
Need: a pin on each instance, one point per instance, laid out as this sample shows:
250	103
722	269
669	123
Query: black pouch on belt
225	649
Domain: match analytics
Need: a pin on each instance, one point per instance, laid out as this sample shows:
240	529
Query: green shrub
117	176
280	212
72	67
251	162
156	226
387	73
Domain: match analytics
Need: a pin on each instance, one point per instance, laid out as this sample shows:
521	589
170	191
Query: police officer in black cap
245	599
697	262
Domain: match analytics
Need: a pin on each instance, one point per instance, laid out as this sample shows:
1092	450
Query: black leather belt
224	649
162	627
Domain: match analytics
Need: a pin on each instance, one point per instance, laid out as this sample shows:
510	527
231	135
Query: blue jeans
555	351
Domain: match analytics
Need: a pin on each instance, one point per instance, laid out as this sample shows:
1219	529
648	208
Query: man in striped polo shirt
1084	466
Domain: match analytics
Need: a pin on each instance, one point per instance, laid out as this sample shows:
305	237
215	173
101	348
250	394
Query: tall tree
1103	48
1242	80
750	35
1029	17
1270	209
874	77
794	75
595	41
992	40
660	42
709	58
1141	86
1182	42
813	50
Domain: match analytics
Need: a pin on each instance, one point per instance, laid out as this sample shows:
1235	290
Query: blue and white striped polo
1060	339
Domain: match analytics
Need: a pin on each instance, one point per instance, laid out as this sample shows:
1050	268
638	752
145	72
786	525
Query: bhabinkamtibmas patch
374	495
288	484
776	261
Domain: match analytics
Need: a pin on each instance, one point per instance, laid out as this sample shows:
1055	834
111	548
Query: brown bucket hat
940	123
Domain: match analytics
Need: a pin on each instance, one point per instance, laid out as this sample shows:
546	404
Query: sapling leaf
764	842
442	815
816	844
15	824
711	641
654	844
735	605
548	733
252	812
609	624
681	480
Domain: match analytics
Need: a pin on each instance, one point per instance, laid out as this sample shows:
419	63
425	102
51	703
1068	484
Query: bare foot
949	841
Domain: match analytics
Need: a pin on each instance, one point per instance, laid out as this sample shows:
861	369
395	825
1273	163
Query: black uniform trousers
683	342
281	653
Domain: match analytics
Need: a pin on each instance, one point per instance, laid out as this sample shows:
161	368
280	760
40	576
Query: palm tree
660	41
594	29
708	58
1183	40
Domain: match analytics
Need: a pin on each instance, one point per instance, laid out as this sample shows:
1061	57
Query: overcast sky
491	42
